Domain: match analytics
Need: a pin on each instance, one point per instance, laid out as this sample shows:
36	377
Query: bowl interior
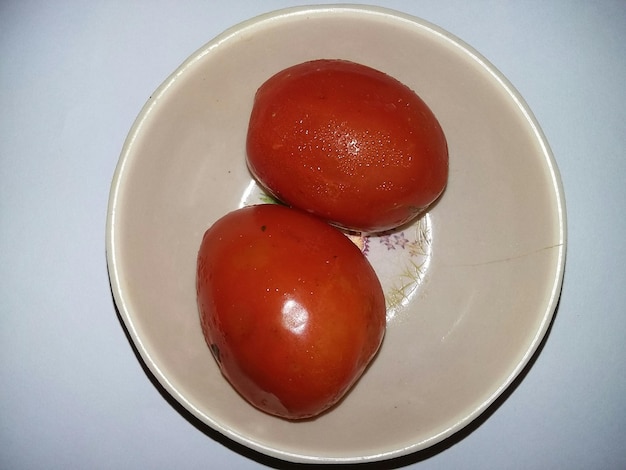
496	249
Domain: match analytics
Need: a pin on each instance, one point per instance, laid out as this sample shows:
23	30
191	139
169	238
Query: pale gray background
73	77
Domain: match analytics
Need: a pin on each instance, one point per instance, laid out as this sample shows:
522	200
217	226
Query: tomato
347	143
291	309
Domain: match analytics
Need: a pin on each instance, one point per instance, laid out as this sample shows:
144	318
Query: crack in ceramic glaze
505	259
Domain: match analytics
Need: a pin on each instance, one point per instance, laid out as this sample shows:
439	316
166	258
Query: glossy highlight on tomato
348	143
291	309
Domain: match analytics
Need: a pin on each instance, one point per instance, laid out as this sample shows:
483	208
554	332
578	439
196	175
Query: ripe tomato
291	309
347	143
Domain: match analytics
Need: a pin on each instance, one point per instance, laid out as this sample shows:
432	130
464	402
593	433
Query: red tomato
291	309
347	143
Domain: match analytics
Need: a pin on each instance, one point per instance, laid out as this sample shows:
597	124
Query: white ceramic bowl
472	287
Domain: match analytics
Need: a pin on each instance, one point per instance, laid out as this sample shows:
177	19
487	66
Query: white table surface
73	77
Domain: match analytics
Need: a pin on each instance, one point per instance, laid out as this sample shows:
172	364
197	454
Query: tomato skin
291	309
347	143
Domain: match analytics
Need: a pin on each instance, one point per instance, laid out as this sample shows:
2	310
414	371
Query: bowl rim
126	155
